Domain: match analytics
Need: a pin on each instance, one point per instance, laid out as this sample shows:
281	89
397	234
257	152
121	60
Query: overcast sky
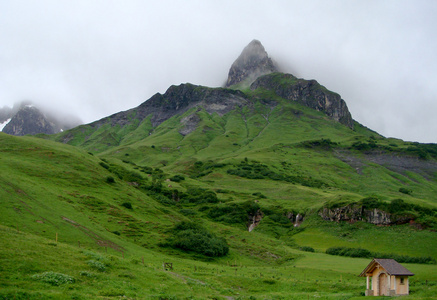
95	58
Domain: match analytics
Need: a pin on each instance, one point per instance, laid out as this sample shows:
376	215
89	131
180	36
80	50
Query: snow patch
2	125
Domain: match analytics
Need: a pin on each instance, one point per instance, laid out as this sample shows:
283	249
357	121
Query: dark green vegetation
100	216
194	238
359	252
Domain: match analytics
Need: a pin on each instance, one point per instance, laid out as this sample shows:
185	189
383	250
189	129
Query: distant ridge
27	119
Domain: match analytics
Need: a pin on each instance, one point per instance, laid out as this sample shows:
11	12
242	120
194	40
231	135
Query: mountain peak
252	63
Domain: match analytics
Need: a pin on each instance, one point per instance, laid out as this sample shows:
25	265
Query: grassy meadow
96	218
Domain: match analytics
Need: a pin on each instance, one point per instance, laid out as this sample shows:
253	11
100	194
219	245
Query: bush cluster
198	195
405	191
350	252
192	237
257	170
307	249
121	172
359	252
422	151
396	206
200	168
127	205
97	265
233	213
54	278
177	178
324	144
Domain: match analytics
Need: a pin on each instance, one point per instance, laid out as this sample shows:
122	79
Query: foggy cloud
94	58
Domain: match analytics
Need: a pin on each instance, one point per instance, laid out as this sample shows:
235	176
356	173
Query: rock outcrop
252	63
306	92
353	213
297	219
25	118
29	120
255	220
176	101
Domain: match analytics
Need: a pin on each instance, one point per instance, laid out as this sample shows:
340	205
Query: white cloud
95	58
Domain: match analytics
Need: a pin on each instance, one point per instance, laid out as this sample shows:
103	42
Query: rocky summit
26	119
29	120
306	92
252	63
245	192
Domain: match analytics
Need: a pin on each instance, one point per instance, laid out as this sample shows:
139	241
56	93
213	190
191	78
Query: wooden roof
391	266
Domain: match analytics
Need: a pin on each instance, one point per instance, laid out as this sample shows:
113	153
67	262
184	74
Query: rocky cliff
179	99
306	92
25	118
353	213
252	63
29	120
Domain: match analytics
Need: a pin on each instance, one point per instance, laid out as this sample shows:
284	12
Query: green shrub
128	205
233	213
398	206
97	265
104	165
110	179
86	274
198	195
307	249
359	252
324	144
405	191
371	202
53	278
279	218
351	252
256	170
187	212
177	178
192	237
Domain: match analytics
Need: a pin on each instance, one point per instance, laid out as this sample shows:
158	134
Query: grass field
99	213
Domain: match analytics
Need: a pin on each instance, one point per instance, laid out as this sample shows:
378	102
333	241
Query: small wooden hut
389	278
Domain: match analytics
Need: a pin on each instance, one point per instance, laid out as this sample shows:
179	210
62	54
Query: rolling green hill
99	217
267	189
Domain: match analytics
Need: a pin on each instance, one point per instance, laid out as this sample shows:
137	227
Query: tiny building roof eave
391	266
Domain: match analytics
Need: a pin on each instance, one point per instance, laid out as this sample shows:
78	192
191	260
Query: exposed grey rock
307	92
255	220
353	213
25	118
178	100
297	219
29	120
252	63
190	124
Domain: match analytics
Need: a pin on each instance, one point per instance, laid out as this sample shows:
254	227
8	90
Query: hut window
402	280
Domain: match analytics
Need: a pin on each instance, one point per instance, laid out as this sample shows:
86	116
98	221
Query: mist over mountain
26	118
252	63
237	190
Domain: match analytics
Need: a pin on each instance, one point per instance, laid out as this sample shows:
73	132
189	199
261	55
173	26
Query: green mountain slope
68	232
228	161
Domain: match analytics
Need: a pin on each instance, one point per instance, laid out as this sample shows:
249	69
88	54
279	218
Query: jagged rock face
179	99
354	213
307	92
297	220
25	118
29	120
252	63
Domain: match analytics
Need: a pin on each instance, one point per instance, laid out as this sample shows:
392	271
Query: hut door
383	284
